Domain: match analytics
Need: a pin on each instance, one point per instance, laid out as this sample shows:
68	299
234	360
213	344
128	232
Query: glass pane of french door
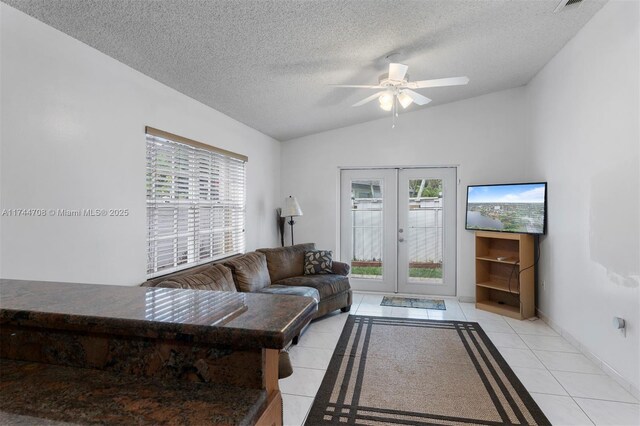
368	200
426	231
366	228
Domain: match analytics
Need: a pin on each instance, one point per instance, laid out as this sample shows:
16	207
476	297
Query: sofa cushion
153	282
250	271
292	290
340	268
215	277
286	262
285	369
318	262
326	284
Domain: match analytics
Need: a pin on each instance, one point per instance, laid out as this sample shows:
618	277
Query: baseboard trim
609	371
466	299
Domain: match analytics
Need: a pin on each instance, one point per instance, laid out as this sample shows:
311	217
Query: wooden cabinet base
505	274
272	415
498	308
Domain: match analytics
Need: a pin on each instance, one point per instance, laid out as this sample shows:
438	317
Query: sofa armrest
340	268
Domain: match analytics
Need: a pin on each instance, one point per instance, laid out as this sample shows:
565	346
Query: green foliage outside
425	272
413	272
432	188
367	270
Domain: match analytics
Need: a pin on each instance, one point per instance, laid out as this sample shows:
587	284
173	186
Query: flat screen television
515	207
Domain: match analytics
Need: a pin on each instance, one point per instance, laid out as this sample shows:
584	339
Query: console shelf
499	285
505	286
498	308
508	261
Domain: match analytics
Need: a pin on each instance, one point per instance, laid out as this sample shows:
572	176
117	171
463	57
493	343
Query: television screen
516	207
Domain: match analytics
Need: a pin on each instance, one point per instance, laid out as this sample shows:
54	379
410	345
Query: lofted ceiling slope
270	63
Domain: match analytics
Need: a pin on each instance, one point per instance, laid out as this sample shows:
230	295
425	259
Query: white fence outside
424	233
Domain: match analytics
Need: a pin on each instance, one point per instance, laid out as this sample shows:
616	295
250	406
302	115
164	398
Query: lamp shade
291	207
404	99
386	101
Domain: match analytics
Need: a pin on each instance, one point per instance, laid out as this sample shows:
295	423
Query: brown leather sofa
286	268
282	274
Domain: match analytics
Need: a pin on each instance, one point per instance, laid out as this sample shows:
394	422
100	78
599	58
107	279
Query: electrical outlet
620	324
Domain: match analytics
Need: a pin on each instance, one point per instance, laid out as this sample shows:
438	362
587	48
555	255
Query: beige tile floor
569	388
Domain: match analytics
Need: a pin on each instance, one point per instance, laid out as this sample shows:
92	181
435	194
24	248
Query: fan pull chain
394	112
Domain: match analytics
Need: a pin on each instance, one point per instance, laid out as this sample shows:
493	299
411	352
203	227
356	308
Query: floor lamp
291	209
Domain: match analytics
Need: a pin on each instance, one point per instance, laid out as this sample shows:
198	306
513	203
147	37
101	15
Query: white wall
484	136
585	143
73	137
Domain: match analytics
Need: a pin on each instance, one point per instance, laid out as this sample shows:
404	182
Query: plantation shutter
195	203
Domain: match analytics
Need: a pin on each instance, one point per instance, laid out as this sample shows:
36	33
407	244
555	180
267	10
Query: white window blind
195	203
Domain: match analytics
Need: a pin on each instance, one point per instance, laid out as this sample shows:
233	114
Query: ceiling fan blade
417	97
440	82
397	71
369	99
356	86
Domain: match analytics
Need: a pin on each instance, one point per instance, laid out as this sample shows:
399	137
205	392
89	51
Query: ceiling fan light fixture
386	101
404	99
396	88
386	107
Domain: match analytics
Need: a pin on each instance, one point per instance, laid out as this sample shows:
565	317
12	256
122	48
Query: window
195	203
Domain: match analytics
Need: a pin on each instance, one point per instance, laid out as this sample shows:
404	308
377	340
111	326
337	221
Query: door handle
401	240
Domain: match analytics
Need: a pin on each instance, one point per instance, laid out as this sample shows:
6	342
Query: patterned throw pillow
317	262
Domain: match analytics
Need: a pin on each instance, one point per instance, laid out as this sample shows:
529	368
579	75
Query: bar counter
264	321
188	342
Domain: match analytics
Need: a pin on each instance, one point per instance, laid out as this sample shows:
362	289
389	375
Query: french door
398	229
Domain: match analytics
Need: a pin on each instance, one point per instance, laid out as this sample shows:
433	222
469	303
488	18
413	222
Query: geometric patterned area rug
390	371
412	302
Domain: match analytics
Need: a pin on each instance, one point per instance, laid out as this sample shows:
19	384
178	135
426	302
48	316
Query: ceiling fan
395	88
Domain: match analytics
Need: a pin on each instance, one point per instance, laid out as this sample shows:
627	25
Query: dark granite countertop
238	320
34	393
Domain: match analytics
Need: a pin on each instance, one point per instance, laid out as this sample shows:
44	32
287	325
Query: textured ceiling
269	63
